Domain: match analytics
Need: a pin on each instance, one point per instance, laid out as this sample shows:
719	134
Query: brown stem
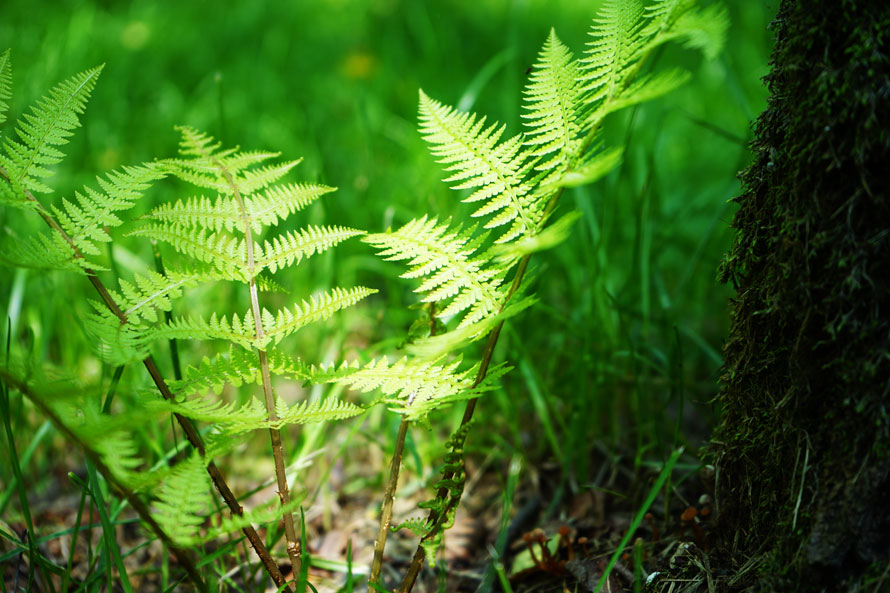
184	557
188	428
389	493
290	533
386	511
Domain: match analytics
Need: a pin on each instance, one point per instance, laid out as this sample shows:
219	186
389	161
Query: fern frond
419	526
117	344
446	258
253	180
703	29
646	88
183	501
200	211
280	201
662	14
236	367
224	170
320	411
49	125
433	347
265	514
5	83
239	331
211	410
414	387
42	251
317	308
87	218
549	238
551	102
616	45
476	161
151	292
290	248
221	250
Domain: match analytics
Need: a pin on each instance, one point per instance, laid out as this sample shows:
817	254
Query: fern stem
386	511
389	494
194	438
182	556
290	533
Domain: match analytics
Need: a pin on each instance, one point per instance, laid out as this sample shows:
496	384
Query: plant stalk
188	428
293	543
392	482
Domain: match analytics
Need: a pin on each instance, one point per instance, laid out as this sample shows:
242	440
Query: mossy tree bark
803	449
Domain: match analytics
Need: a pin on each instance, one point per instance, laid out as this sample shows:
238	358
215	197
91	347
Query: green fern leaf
419	526
5	83
551	101
86	219
290	248
269	512
317	308
280	201
239	331
476	161
224	171
152	292
549	238
210	410
43	251
703	29
183	501
616	45
49	125
446	258
415	387
221	250
236	367
308	412
215	215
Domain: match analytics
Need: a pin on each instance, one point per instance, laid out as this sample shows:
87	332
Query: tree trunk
803	449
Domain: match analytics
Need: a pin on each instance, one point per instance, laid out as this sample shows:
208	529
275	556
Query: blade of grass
19	480
107	527
638	517
25	460
67	575
496	568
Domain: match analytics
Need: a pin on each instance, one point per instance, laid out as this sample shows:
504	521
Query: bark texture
803	449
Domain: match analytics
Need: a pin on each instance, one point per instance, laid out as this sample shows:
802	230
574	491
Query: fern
216	240
5	83
51	122
515	182
236	367
183	501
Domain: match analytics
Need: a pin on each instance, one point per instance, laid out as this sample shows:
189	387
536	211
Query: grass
623	349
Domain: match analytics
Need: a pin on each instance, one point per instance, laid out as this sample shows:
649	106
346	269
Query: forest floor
558	536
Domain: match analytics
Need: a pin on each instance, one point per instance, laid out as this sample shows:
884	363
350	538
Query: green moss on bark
803	449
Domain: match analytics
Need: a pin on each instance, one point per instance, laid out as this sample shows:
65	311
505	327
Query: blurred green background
624	348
